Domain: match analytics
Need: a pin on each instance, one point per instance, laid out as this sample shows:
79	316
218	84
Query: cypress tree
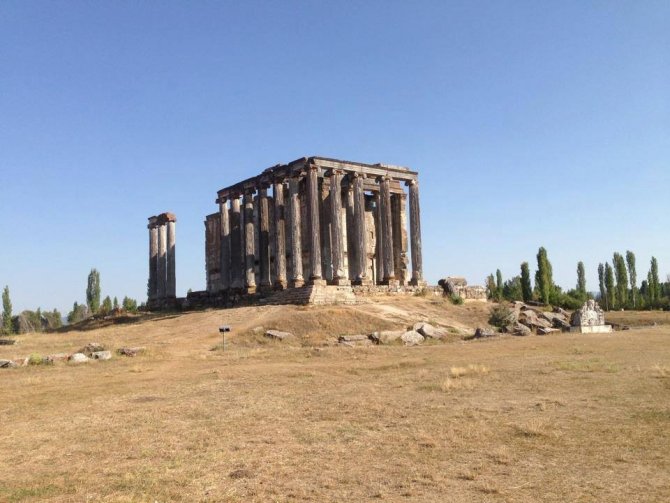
609	284
106	307
621	279
581	278
654	286
543	276
116	303
499	285
601	285
6	311
491	286
632	274
526	288
93	291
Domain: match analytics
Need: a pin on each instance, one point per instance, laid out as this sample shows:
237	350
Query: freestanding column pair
162	265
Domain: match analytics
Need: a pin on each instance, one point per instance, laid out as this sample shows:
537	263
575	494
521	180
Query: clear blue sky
530	123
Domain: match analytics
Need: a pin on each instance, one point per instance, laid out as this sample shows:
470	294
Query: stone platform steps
314	295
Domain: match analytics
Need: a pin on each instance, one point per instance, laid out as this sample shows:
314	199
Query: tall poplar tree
653	283
621	279
543	277
609	284
581	278
632	274
93	291
601	285
526	288
6	311
499	284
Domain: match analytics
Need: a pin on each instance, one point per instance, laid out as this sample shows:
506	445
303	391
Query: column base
362	282
341	282
390	282
296	283
250	290
280	285
418	282
318	282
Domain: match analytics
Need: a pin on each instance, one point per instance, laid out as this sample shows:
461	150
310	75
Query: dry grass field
558	418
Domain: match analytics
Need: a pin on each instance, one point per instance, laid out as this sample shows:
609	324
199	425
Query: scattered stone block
545	331
429	331
7	342
78	358
58	357
412	338
91	347
352	338
520	329
482	333
7	364
131	352
386	336
258	330
101	355
276	334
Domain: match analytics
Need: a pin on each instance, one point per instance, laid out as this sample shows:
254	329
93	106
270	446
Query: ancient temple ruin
162	288
316	221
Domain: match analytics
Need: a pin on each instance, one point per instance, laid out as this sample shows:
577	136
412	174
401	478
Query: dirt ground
566	417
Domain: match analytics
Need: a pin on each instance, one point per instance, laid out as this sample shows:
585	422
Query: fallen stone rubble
530	319
92	351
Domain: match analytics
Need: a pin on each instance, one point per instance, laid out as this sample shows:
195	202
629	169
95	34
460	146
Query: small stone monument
590	319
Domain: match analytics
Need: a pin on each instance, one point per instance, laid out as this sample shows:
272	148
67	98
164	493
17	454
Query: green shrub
501	316
35	359
456	299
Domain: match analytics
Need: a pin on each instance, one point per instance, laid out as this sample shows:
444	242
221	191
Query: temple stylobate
316	221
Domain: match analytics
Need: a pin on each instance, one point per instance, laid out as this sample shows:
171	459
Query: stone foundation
592	329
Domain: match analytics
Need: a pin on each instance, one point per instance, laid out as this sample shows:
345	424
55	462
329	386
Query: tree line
39	321
617	285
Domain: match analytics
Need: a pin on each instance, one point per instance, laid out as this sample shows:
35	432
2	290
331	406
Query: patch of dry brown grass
276	422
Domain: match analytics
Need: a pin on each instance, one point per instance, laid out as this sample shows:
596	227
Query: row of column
162	266
287	219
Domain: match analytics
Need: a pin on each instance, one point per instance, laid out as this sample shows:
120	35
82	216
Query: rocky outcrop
412	338
278	335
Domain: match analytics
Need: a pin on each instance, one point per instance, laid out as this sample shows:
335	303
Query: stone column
294	224
171	287
415	233
236	253
264	238
249	252
379	247
280	235
396	230
313	197
349	227
336	238
161	268
153	257
387	229
360	232
225	244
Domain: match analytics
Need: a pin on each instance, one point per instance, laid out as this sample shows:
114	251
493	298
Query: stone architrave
313	197
171	259
161	267
225	244
297	278
249	251
264	238
153	257
387	229
236	245
280	234
415	233
336	239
